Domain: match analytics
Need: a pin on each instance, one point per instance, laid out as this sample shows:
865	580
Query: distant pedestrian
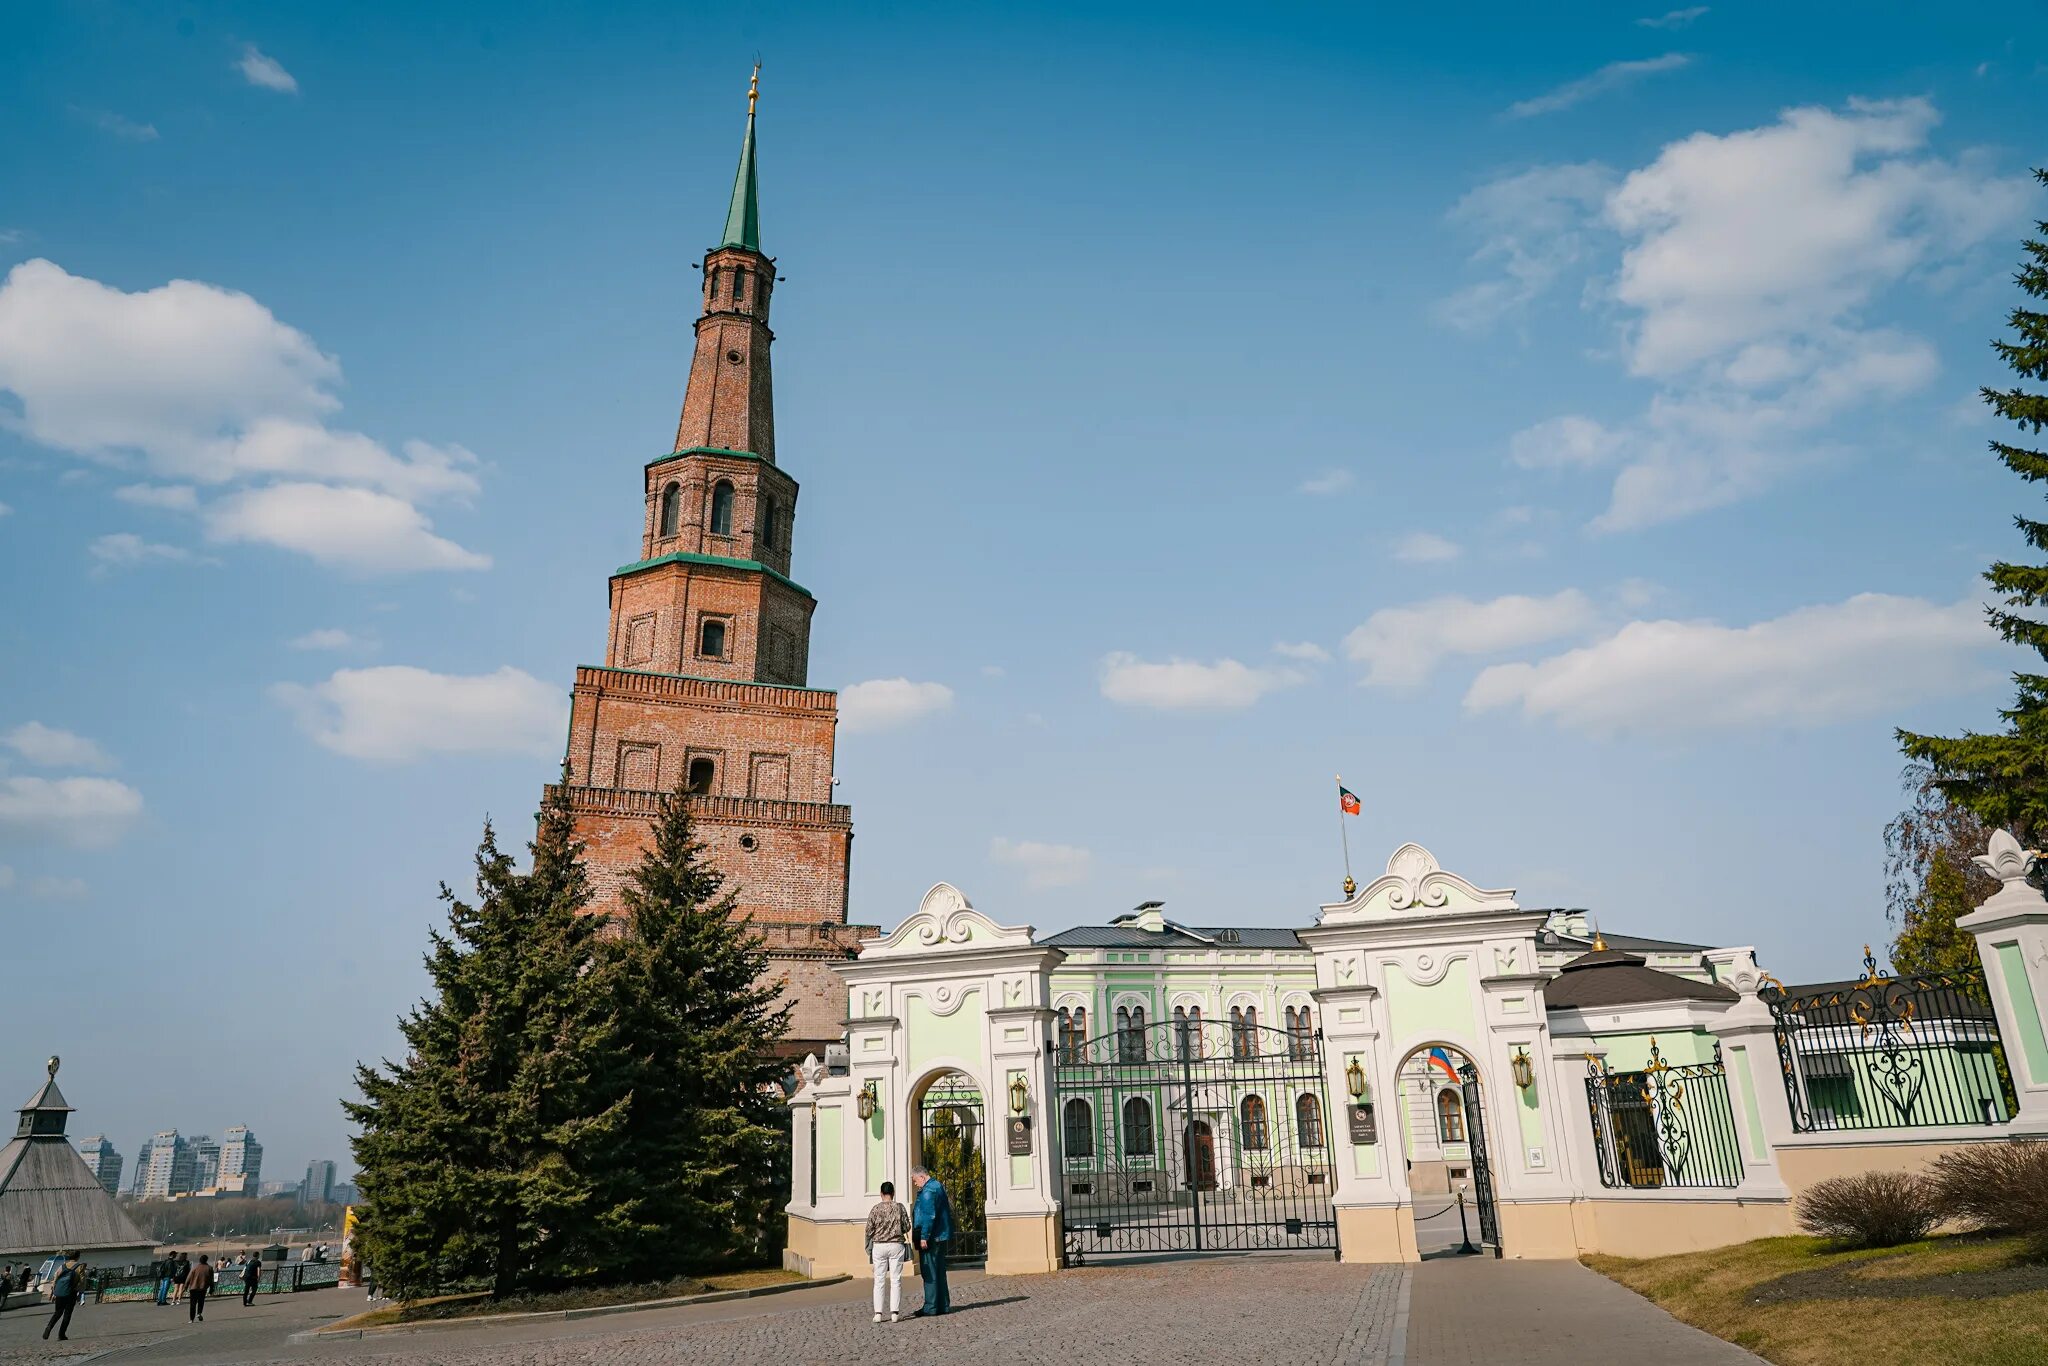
162	1268
931	1219
66	1288
6	1283
252	1276
198	1281
888	1240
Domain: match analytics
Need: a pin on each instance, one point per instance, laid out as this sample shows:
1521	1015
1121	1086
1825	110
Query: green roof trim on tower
743	218
702	450
716	562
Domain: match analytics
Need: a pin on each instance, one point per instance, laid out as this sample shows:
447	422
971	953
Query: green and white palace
1149	1087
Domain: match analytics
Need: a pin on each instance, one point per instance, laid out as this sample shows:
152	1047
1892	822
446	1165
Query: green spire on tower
743	219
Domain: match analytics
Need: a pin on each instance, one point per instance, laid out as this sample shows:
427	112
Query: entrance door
1198	1150
1189	1136
951	1130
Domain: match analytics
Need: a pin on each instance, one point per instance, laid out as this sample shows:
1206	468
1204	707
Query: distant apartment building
271	1189
345	1193
205	1162
241	1162
319	1185
166	1167
103	1162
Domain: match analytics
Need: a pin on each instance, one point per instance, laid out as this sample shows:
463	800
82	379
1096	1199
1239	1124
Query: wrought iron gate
952	1130
1482	1165
1193	1136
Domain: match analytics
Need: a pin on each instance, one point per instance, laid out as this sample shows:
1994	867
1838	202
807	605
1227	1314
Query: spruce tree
475	1152
699	1163
2003	777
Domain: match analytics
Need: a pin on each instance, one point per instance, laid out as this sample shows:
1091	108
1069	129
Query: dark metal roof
1127	937
1632	943
1610	977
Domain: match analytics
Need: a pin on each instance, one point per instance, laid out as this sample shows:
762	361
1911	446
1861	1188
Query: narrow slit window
721	509
671	510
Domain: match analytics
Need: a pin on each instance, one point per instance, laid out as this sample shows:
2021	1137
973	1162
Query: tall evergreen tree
2003	777
475	1151
699	1162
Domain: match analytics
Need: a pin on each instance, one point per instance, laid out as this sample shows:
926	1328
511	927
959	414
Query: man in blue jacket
931	1223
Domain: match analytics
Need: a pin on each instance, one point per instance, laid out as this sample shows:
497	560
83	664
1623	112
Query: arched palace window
1137	1127
1130	1033
1073	1032
1301	1033
1450	1116
1308	1121
1187	1032
1078	1122
1251	1114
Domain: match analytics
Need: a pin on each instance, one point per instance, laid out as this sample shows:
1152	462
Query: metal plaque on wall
1020	1135
1364	1129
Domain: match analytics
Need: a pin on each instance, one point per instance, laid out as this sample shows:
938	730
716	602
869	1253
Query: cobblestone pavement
1467	1310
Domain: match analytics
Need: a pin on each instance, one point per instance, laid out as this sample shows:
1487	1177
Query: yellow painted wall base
1658	1228
1537	1232
1802	1167
825	1248
1023	1244
1376	1233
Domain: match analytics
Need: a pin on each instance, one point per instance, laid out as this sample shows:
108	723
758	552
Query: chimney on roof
1150	915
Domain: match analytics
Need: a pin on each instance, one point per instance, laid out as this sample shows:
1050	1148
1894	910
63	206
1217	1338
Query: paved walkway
1229	1309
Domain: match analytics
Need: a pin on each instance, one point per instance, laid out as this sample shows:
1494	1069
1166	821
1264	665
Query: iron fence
277	1278
1664	1126
1904	1051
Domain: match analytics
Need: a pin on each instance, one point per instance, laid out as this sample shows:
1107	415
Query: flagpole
1344	834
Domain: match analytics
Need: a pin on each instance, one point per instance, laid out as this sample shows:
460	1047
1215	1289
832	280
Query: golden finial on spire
754	89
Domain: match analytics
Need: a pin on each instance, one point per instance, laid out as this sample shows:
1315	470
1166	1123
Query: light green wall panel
875	1135
831	1151
1529	1110
1745	1085
1365	1159
1631	1052
1444	1011
929	1036
2033	1043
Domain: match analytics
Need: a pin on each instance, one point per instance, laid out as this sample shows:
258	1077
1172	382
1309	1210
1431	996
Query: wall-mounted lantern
1524	1070
1354	1080
868	1103
1020	1095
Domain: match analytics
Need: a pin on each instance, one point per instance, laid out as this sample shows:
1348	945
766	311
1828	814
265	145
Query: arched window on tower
770	515
711	639
1079	1123
739	285
1450	1116
702	772
721	508
671	510
1252	1119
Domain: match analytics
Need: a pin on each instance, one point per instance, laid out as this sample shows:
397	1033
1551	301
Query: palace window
1244	1032
1308	1121
702	772
1079	1123
769	530
1450	1116
671	510
721	508
711	639
1069	1036
1301	1033
1137	1127
1130	1033
1251	1114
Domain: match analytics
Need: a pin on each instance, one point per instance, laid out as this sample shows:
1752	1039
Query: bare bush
1869	1209
2000	1187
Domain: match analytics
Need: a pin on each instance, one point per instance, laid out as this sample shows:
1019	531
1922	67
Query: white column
2012	939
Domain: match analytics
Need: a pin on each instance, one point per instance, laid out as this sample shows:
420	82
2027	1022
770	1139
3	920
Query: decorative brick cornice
782	697
713	562
750	811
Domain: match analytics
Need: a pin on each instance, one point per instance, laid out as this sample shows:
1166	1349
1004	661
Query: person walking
161	1268
198	1281
888	1240
67	1287
252	1277
931	1220
180	1269
6	1284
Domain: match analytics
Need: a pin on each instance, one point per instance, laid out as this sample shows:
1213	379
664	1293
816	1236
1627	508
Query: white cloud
1569	442
51	888
1674	19
203	385
1611	77
397	712
327	638
49	747
171	497
1328	482
1186	685
1044	865
1533	226
350	528
107	121
86	812
126	550
1400	646
1867	656
265	71
885	703
1305	650
1425	547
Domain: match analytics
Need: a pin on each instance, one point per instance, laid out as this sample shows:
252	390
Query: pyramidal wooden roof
49	1199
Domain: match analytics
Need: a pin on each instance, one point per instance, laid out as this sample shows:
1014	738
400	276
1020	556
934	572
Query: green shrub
1869	1209
1996	1186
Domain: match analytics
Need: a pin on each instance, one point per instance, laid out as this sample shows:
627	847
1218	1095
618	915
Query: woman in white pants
888	1240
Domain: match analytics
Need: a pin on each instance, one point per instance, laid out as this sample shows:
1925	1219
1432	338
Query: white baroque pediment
1415	887
944	921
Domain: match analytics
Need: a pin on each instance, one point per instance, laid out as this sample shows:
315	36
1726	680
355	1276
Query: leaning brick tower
705	684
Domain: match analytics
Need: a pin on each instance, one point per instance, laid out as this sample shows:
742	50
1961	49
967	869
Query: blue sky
1557	423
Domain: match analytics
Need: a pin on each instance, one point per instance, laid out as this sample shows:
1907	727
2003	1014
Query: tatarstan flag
1347	800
